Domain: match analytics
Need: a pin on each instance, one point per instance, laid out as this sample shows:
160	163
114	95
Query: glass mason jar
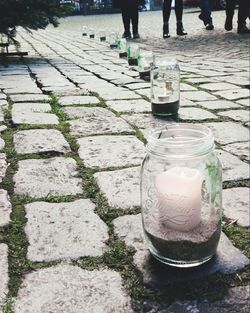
113	38
165	86
122	48
133	51
91	33
145	61
102	35
84	30
181	187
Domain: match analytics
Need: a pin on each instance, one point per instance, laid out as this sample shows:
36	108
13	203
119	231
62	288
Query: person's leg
135	19
166	10
178	13
242	16
230	6
126	21
205	15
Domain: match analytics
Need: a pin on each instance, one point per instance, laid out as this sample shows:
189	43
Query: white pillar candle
179	195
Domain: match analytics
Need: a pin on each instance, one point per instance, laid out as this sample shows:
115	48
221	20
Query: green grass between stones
118	256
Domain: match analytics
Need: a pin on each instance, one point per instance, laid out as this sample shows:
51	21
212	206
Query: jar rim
181	138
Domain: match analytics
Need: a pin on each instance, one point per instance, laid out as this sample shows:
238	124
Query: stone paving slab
40	141
198	95
99	124
145	121
228	132
121	188
186	87
60	90
66	288
3	104
119	95
64	231
1	116
3	273
233	168
115	151
3	166
237	300
31	107
73	100
138	85
5	208
80	112
236	203
155	274
237	115
233	94
144	92
139	105
2	143
29	97
195	114
241	149
187	103
43	177
219	86
3	96
2	128
33	113
35	118
218	105
245	102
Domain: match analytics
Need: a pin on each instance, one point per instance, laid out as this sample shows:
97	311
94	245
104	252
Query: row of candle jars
181	187
181	177
163	74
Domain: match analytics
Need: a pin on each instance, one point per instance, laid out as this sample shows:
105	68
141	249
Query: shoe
180	30
209	26
201	17
126	35
165	31
243	30
228	24
136	35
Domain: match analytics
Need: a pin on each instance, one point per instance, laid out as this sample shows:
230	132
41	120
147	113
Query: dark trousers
206	11
242	13
130	14
166	10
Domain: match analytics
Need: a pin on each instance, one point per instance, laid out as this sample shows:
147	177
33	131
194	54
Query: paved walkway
73	123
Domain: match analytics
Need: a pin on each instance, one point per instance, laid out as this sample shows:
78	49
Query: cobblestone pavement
72	124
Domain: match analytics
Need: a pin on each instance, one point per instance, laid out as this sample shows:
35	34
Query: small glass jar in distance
145	62
84	30
91	33
181	188
102	35
133	51
122	48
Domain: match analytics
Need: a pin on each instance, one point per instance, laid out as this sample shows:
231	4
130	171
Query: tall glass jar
145	61
102	35
165	86
91	33
122	48
133	51
113	38
181	187
84	30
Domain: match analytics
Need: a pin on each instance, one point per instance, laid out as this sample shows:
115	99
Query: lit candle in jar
179	195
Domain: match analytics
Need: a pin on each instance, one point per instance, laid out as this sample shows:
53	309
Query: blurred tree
29	14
